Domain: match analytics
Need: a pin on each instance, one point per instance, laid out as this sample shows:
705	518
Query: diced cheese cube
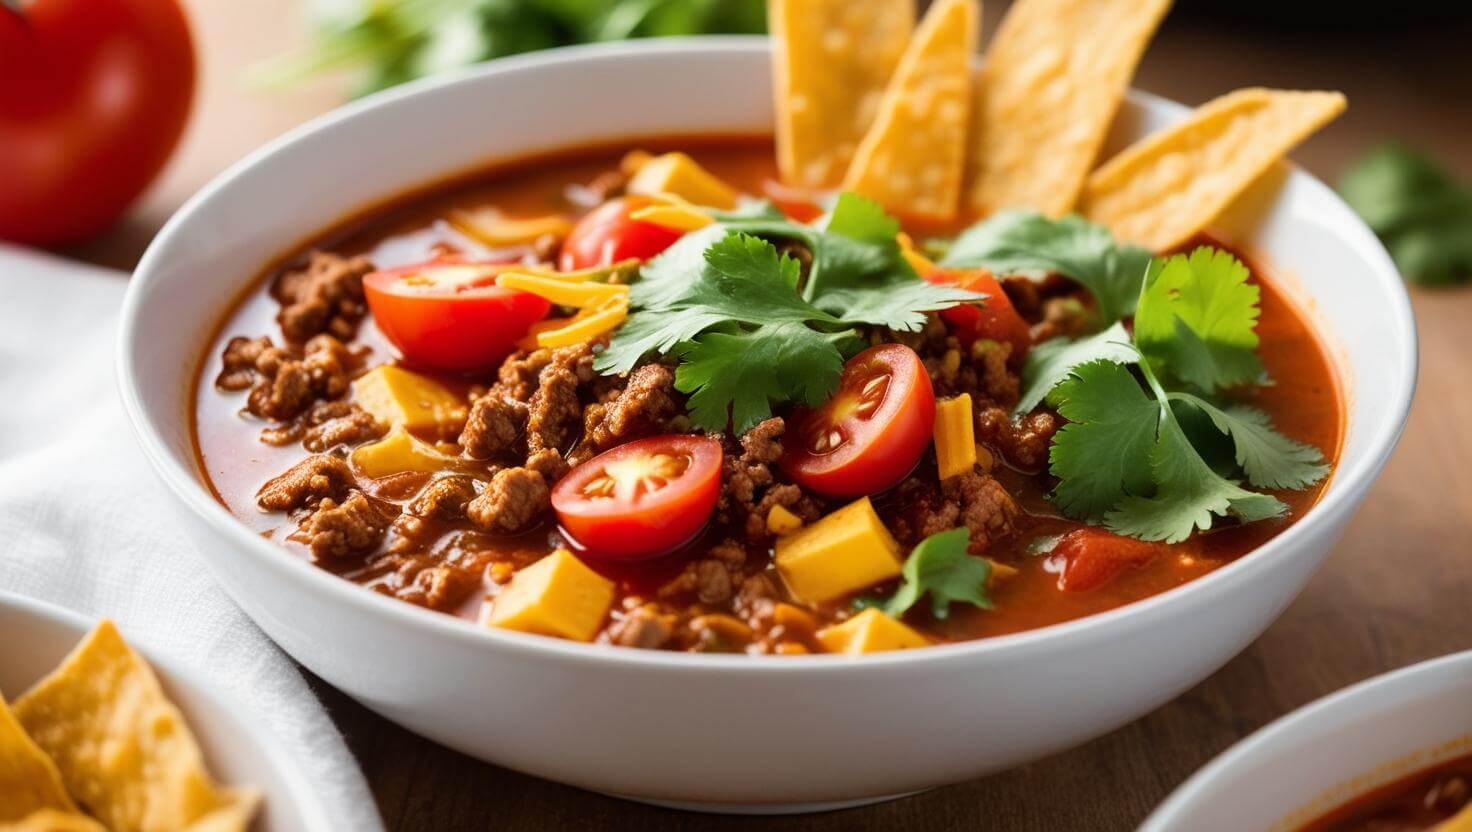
556	596
844	552
781	521
397	453
955	436
401	398
678	174
871	631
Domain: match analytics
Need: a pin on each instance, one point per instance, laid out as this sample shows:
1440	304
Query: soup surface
280	426
1422	802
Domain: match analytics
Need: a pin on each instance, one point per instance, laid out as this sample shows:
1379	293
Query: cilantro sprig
939	567
749	329
1140	451
1012	242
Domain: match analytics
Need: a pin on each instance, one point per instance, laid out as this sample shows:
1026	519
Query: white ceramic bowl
732	732
1326	754
237	749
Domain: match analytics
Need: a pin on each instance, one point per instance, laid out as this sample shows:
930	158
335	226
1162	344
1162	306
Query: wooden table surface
1395	591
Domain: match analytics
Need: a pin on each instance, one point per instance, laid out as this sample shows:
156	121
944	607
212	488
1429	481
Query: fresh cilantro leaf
857	271
742	280
1103	454
1049	363
735	375
1019	241
749	328
1188	493
1197	320
1270	459
1421	212
861	219
940	567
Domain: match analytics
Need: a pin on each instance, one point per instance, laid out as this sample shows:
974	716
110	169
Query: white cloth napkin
85	524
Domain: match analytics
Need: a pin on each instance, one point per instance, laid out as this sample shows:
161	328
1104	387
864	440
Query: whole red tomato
94	95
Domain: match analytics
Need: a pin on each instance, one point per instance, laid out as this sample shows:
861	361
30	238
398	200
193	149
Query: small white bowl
237	747
1329	752
739	733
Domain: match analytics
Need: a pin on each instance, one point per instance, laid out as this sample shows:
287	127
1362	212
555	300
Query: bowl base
765	808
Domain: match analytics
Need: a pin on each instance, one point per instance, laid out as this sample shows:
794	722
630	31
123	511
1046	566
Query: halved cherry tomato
606	235
1089	558
871	433
449	314
641	499
995	318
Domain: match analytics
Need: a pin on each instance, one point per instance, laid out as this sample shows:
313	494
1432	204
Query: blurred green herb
392	41
1421	212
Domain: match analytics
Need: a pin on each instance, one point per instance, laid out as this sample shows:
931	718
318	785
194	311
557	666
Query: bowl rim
303	801
188	487
1387	689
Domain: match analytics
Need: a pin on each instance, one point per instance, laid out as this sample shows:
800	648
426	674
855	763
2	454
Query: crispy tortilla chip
912	159
234	816
830	62
53	820
1054	76
124	751
29	781
1164	188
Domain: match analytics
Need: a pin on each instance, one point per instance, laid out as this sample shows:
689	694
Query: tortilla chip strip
53	820
830	62
234	816
912	159
1054	76
29	781
123	749
1164	188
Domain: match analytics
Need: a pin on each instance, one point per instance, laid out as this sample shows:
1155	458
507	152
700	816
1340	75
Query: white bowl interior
237	748
1330	752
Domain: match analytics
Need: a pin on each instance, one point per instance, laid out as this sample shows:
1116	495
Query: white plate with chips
238	751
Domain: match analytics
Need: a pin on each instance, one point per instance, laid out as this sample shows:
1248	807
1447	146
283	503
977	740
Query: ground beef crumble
1022	440
922	507
283	382
494	426
335	530
324	295
513	501
644	406
314	478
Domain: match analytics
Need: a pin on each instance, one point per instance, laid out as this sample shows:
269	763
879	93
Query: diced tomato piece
994	318
871	432
449	315
797	204
642	499
1089	558
607	235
